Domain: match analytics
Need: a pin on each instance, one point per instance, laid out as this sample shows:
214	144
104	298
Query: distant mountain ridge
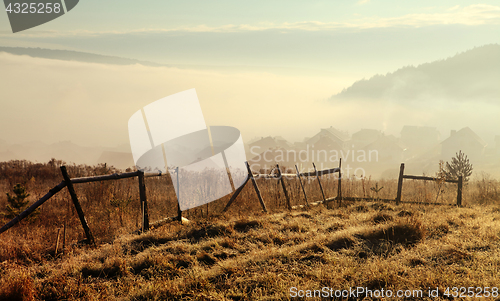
69	55
468	76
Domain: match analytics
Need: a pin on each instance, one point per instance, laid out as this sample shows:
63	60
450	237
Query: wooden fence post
339	189
254	182
235	194
78	207
179	212
301	185
144	201
400	183
288	204
459	191
57	241
320	186
64	238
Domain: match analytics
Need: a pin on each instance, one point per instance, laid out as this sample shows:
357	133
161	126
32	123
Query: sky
265	67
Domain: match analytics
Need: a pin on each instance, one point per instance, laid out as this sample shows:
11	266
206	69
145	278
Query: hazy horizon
267	69
311	114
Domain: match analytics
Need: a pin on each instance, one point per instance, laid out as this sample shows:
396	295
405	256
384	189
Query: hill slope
469	76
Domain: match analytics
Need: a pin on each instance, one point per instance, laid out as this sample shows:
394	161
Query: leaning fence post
459	191
144	201
254	182
320	186
235	194
301	185
339	189
284	188
78	207
400	183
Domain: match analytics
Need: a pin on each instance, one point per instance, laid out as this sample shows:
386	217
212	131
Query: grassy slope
259	257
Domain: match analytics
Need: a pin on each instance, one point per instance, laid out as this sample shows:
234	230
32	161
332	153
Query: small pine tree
17	203
459	166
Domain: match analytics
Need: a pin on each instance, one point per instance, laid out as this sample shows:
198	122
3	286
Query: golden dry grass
247	255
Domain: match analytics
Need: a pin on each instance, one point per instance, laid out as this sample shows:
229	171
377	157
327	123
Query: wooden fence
281	178
68	182
402	176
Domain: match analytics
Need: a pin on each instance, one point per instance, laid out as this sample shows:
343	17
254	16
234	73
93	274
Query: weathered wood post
319	181
78	207
339	189
459	191
288	204
235	194
57	241
301	185
64	238
400	183
144	201
179	212
254	182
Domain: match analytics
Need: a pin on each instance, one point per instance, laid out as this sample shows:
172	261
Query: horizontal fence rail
402	176
304	174
429	179
68	182
251	177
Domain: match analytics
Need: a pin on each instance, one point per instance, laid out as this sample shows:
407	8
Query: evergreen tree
17	203
459	166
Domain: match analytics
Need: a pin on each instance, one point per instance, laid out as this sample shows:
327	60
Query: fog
89	104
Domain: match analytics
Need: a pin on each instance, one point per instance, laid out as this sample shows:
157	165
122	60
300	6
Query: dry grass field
245	254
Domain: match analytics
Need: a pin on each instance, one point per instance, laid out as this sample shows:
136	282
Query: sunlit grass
245	254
